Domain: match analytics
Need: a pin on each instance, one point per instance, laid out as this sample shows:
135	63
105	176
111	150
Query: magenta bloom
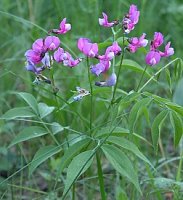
131	19
104	21
64	57
88	48
157	41
39	46
51	42
115	48
110	52
111	81
64	28
33	56
101	67
168	51
136	43
153	58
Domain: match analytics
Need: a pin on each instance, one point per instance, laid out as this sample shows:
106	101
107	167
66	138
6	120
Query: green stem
120	65
158	72
91	94
178	177
73	192
100	177
51	134
141	78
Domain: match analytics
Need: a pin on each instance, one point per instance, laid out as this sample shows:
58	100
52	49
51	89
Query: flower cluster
154	55
45	51
131	19
135	43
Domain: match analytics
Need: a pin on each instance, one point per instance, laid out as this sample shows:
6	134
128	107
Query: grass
24	21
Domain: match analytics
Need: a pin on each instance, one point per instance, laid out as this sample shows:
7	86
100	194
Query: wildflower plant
101	136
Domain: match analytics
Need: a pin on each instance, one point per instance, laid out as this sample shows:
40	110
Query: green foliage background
23	21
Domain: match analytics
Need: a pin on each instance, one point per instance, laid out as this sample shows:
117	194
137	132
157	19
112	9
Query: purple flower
65	57
104	21
64	28
136	43
152	58
110	52
111	81
168	51
73	63
58	55
131	19
157	41
115	48
51	42
101	67
33	56
39	46
88	48
32	67
46	60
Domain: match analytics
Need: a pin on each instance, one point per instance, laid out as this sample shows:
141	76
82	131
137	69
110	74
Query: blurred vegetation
23	21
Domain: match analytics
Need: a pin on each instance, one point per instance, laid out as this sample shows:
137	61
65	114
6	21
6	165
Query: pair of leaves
156	127
33	110
121	163
136	111
176	122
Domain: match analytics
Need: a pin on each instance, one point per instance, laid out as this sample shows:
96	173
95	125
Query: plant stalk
91	94
120	65
100	178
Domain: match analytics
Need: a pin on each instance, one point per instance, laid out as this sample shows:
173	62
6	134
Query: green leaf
30	100
136	111
45	110
175	107
28	133
168	78
130	64
77	166
156	127
70	153
178	93
178	127
21	112
56	128
124	143
42	155
115	131
121	163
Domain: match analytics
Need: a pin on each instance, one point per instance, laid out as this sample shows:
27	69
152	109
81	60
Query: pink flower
101	67
168	51
131	19
115	48
39	46
64	28
157	41
136	43
111	81
65	57
51	42
88	48
34	56
153	58
110	52
104	21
